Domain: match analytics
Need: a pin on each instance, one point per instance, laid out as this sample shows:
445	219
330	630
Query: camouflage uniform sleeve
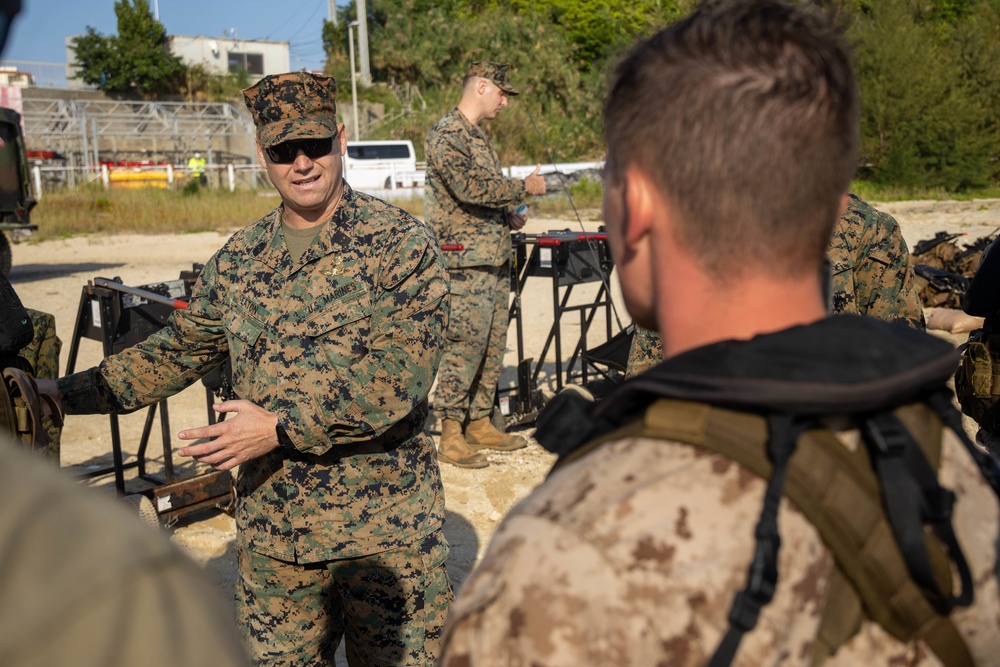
188	346
883	280
472	173
646	351
408	320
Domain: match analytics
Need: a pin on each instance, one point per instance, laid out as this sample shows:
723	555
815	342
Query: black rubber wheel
144	507
5	254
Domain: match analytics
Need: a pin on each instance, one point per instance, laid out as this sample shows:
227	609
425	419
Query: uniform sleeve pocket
457	283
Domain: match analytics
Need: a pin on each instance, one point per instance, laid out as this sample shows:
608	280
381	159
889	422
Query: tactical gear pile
764	403
943	269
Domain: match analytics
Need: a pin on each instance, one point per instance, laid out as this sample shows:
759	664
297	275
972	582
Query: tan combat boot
454	450
481	434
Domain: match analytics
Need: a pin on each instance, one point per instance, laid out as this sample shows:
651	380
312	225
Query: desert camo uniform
342	344
870	276
466	203
90	585
632	555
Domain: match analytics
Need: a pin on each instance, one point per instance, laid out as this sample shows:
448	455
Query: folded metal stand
568	259
119	316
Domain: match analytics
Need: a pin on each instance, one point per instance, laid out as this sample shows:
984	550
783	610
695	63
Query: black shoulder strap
988	465
913	498
762	577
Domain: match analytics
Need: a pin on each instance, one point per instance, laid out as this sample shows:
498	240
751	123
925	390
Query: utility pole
354	81
333	11
366	72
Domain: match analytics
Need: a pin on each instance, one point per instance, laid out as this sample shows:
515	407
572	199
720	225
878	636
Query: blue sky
40	31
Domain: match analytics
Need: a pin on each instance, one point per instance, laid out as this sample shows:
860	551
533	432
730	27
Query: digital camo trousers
476	342
390	607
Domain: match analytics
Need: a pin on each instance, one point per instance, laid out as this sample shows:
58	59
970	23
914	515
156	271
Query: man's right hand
533	183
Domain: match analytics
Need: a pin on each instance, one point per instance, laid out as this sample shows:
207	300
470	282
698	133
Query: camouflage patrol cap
296	105
495	72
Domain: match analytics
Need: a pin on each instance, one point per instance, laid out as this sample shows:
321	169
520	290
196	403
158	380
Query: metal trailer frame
102	316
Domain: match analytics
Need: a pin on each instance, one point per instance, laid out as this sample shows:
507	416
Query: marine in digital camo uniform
632	552
340	503
870	276
468	203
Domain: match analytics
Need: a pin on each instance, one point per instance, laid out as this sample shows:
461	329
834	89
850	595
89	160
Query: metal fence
83	133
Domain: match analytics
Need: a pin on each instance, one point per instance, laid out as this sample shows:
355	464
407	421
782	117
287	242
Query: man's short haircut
745	115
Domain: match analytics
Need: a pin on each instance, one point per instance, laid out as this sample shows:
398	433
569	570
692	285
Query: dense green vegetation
928	70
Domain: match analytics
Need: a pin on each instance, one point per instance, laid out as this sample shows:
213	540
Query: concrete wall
220	55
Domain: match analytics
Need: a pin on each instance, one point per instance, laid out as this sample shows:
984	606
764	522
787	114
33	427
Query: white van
377	165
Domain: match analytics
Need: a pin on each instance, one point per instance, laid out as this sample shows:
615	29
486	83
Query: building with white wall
228	55
219	55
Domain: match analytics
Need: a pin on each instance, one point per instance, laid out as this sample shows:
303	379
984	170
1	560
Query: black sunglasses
285	153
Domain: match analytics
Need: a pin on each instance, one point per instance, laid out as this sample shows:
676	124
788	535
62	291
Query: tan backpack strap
837	491
8	414
841	619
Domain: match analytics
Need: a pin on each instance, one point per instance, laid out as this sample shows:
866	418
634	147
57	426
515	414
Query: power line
278	29
316	9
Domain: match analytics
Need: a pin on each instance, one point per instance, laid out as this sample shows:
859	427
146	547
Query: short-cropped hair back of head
744	115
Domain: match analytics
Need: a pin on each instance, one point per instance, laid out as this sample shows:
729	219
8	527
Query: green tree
922	125
431	46
135	60
976	41
599	28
